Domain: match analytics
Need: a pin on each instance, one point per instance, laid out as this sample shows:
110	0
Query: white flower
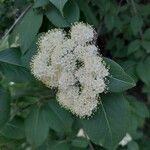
67	97
66	80
125	140
82	33
73	66
85	104
48	41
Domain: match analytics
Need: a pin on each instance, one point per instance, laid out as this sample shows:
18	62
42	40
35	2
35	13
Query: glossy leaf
15	73
11	66
109	124
59	4
37	126
27	29
58	145
56	117
71	15
11	56
132	146
118	80
88	12
39	3
129	67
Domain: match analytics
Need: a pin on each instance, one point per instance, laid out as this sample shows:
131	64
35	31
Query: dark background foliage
29	118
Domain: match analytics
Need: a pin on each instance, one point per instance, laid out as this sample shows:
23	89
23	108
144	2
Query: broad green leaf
4	106
11	66
37	126
136	24
146	46
103	5
143	70
138	113
15	73
26	58
118	80
80	142
58	145
109	124
132	146
71	14
20	4
39	3
27	29
59	4
109	21
56	117
11	56
146	35
88	12
138	108
13	129
129	67
134	46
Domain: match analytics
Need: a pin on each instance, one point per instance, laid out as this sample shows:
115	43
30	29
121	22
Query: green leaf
37	126
71	14
79	142
59	4
39	3
133	46
118	80
26	58
109	21
56	118
20	4
146	35
11	56
88	12
143	70
13	129
132	146
136	24
110	123
11	66
138	113
58	145
15	73
146	46
138	108
4	106
129	67
27	29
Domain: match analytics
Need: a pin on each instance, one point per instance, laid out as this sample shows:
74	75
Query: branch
17	20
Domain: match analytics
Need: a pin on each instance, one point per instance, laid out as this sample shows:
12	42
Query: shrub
32	118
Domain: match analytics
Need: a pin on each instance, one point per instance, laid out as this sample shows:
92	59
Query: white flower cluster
72	64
